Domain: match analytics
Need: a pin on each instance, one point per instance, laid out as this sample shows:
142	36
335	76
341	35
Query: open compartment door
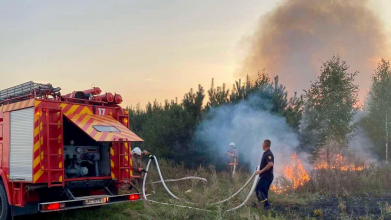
103	128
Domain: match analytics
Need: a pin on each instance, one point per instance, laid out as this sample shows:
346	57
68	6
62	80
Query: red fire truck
60	152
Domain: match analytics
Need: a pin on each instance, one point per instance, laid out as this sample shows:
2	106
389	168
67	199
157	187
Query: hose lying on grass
255	177
185	178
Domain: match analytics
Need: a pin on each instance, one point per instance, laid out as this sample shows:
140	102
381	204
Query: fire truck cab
60	152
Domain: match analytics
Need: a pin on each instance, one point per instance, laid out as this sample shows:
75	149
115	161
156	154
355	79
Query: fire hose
185	178
255	181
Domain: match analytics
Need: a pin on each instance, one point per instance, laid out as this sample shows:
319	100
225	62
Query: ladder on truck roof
53	153
25	89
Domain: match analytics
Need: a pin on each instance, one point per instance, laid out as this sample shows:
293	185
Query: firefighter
233	158
266	175
137	167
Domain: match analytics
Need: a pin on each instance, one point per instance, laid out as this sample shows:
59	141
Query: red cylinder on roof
93	91
117	98
97	98
75	95
108	97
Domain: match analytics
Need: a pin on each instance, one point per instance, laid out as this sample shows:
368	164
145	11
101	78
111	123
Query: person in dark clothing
266	174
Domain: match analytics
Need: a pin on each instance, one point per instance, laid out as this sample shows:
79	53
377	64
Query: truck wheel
5	210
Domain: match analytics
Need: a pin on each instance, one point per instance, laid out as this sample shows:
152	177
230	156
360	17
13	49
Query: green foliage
217	96
377	120
274	95
241	91
330	109
168	129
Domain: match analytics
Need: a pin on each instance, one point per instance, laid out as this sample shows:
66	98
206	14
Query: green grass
220	186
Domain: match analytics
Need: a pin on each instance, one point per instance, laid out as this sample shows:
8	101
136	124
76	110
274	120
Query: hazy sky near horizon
144	50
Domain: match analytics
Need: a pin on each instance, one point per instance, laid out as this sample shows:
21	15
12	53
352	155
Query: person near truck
265	173
233	158
137	167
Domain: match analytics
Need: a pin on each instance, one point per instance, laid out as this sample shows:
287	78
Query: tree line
323	117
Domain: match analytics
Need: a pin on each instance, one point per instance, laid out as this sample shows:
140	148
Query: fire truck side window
101	128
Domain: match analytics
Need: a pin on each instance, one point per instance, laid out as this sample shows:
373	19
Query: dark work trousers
262	189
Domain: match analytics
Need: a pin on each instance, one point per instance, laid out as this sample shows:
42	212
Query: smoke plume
297	37
248	125
359	144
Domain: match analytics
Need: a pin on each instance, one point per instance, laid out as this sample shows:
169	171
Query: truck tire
5	209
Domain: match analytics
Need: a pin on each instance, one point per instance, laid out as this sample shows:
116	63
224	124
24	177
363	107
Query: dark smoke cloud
297	37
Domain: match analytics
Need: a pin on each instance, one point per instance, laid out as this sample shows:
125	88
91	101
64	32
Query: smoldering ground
294	39
248	124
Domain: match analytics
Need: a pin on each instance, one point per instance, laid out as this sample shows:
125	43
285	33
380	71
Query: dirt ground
337	208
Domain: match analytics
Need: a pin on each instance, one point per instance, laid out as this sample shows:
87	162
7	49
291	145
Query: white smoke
360	146
248	124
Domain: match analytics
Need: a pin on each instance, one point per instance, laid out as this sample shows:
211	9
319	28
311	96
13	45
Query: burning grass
338	170
314	195
338	162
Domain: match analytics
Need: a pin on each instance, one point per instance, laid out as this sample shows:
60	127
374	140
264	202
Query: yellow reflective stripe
86	110
72	109
98	135
36	131
37	160
109	137
38	174
74	118
38	144
63	105
84	121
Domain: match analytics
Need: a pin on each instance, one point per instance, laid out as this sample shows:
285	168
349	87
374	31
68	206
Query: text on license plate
96	201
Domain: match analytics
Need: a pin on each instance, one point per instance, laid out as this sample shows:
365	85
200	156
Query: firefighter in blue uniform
266	175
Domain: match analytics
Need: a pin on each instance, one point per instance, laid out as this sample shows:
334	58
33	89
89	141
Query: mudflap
29	208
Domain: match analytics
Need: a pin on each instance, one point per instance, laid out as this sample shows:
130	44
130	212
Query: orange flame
298	176
338	163
295	173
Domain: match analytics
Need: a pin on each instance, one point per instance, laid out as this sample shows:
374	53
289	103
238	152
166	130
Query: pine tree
217	96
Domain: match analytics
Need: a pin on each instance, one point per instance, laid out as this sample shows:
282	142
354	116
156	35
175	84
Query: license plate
96	201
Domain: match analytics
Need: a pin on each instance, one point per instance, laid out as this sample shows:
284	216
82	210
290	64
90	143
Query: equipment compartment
84	157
